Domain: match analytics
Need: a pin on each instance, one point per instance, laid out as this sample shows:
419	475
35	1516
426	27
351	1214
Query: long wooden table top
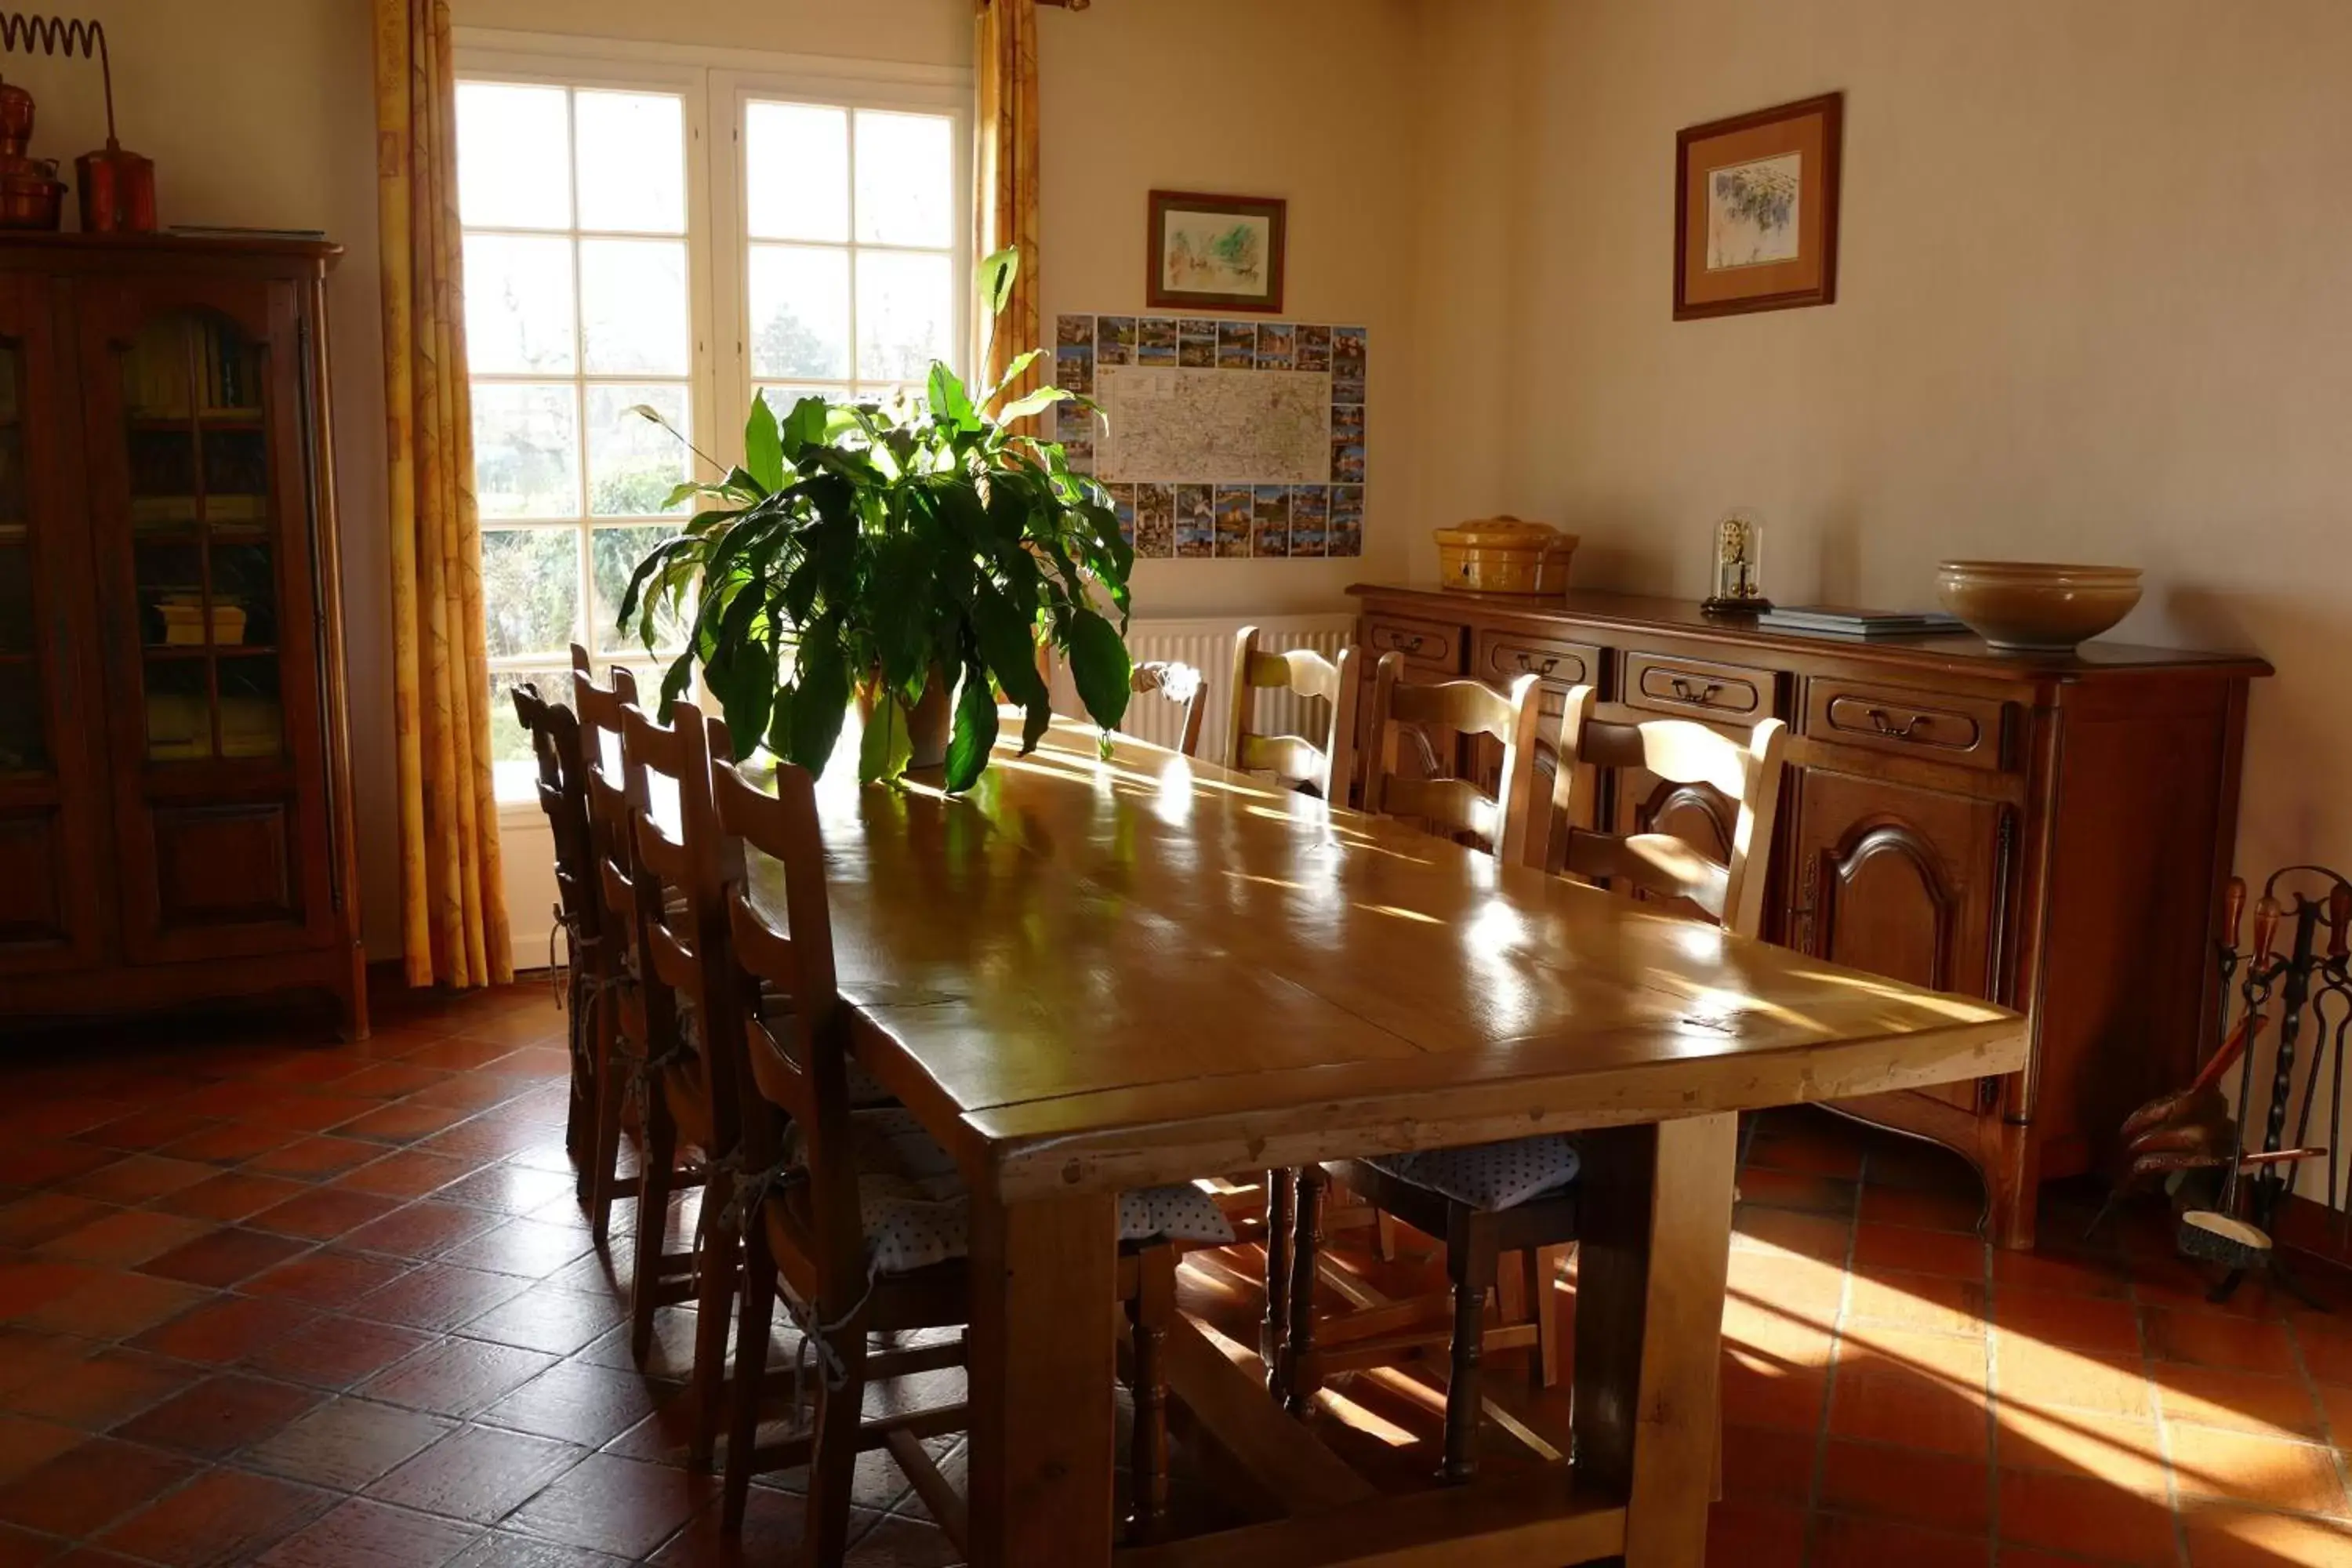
1106	973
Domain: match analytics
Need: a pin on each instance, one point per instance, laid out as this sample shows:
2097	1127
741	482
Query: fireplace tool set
2232	1194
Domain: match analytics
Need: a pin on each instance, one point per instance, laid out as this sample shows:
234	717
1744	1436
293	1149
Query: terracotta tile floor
263	1301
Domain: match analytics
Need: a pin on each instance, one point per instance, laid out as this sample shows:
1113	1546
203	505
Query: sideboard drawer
1430	645
1696	689
1503	656
1965	730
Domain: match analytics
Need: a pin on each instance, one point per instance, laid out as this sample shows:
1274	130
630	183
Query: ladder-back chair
1461	710
615	1020
686	1101
1172	681
1520	1195
1326	767
562	787
860	1216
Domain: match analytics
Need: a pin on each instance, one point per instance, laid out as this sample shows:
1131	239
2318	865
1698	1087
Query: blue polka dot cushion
917	1212
1488	1176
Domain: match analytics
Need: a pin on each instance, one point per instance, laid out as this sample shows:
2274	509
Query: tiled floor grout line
1829	1380
1992	1395
2156	1413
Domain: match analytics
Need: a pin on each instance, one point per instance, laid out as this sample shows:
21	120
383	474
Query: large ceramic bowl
2035	606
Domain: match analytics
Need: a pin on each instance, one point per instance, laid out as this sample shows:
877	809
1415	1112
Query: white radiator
1207	645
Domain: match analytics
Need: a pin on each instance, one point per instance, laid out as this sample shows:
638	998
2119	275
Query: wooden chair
1174	681
857	1214
615	1026
1521	1196
563	785
1325	767
688	1107
1501	823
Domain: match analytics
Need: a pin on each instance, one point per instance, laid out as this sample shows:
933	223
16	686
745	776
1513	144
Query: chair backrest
1462	709
1326	767
1174	681
795	1055
611	811
554	732
1745	772
680	900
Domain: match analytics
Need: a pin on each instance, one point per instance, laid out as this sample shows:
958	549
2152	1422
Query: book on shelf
1842	620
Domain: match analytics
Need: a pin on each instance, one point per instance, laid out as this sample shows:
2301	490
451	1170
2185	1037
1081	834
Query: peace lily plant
894	548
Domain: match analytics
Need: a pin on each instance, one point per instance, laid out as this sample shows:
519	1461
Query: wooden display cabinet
175	817
2050	833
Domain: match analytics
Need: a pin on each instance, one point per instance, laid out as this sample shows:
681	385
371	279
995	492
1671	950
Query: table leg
1044	1279
1655	1251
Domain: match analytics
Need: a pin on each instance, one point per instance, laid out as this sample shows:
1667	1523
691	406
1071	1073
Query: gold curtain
1005	51
453	913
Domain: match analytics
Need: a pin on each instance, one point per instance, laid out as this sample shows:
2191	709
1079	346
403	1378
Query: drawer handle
1699	696
1886	725
1527	665
1409	641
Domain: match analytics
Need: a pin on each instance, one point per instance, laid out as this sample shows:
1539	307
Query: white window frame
715	84
735	91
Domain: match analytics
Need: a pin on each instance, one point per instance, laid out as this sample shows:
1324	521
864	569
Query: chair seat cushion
1489	1176
916	1212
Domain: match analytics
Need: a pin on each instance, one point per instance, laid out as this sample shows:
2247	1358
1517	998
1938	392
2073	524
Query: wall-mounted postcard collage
1205	462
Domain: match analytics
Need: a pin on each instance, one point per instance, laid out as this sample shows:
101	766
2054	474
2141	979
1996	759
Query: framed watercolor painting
1216	253
1756	210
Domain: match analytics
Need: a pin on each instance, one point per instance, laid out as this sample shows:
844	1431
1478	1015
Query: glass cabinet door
203	540
200	419
51	813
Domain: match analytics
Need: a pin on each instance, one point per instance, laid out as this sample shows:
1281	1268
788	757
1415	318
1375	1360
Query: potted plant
917	553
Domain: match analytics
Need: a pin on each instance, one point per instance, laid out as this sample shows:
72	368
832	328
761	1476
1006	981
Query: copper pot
31	194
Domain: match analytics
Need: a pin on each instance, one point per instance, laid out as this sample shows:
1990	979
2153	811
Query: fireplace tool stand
2300	988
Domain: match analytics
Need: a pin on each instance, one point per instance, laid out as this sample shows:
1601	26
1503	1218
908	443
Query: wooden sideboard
2051	834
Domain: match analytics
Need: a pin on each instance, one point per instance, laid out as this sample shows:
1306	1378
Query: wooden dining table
1092	973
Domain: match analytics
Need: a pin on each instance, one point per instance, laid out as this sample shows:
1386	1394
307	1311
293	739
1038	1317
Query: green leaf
1034	721
780	723
763	447
974	734
1038	402
1006	646
948	400
884	749
679	492
1013	372
997	273
820	700
1099	665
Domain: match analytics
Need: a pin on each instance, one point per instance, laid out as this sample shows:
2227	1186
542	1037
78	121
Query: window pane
904	179
800	312
526	451
512	151
796	171
530	589
632	161
906	305
510	754
633	463
632	306
613	556
518	304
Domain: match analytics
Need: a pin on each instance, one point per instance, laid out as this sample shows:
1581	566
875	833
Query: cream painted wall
261	112
2092	305
1309	100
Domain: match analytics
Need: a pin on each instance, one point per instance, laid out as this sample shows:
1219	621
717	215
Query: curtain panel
452	893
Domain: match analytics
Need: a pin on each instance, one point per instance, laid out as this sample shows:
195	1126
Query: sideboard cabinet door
1900	881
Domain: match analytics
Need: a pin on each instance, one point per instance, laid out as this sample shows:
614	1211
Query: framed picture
1217	253
1756	210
